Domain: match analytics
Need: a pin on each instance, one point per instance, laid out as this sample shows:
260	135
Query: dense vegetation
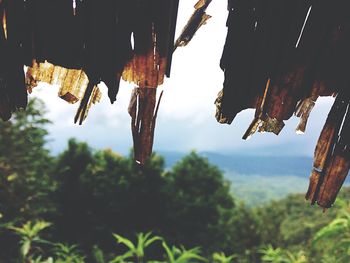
89	205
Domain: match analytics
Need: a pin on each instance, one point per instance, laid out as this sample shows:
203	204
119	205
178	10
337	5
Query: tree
100	192
333	240
289	222
241	233
71	165
199	202
25	163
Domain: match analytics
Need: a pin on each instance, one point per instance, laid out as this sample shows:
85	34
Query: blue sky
186	118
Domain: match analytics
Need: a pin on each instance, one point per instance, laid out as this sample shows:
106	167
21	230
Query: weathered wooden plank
338	167
326	157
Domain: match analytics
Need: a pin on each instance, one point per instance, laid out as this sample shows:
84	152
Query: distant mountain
252	165
258	179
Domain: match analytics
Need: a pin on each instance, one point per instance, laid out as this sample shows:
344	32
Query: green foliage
108	190
135	251
88	194
222	258
106	193
290	221
241	231
181	255
40	260
30	230
69	168
333	241
29	238
24	165
273	255
33	248
200	202
265	188
98	255
67	253
278	255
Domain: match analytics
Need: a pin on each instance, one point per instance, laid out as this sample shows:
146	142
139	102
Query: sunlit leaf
124	241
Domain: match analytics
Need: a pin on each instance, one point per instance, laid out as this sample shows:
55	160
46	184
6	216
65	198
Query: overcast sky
186	117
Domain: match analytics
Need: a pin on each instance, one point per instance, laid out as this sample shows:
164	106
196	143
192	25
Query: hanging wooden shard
78	44
153	32
198	18
331	164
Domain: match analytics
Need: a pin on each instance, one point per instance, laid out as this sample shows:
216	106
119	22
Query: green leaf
125	241
336	227
122	258
170	254
98	255
152	240
189	255
26	244
222	258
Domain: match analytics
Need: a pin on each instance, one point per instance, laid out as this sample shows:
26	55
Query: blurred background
72	193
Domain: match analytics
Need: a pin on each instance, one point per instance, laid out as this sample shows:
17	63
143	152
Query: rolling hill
257	179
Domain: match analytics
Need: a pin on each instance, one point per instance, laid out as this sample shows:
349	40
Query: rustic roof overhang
279	57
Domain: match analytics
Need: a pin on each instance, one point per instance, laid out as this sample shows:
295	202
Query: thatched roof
279	57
